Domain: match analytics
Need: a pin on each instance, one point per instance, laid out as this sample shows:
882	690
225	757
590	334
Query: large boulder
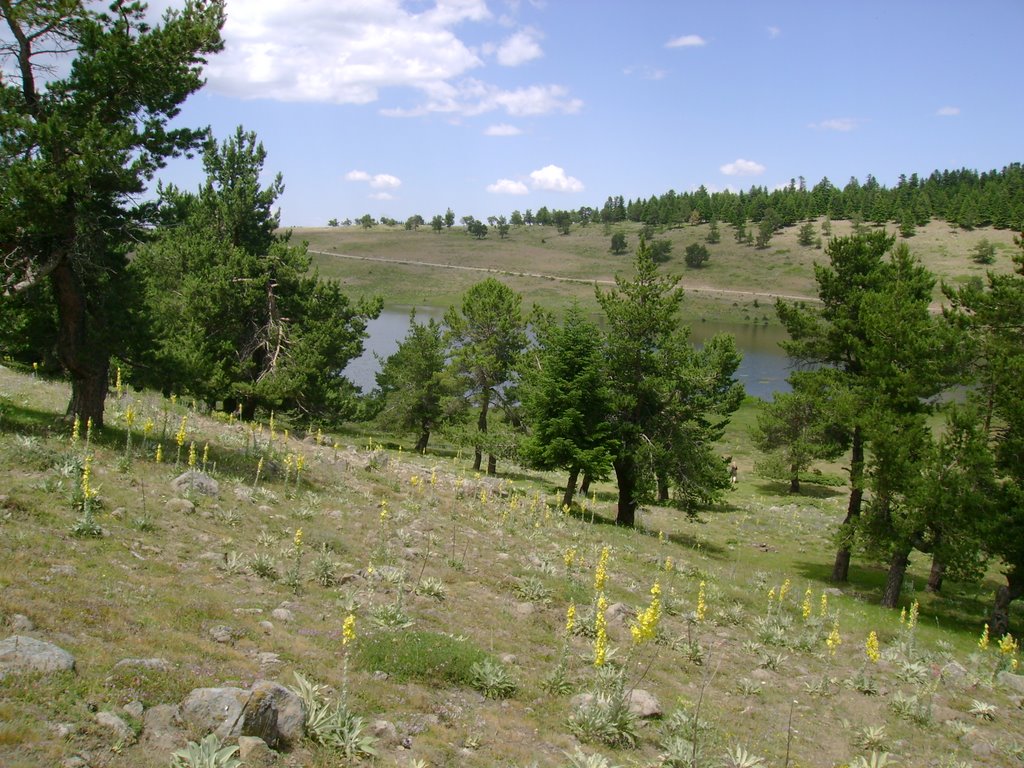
194	481
19	653
268	711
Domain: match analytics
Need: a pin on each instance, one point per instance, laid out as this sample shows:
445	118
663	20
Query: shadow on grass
808	490
19	420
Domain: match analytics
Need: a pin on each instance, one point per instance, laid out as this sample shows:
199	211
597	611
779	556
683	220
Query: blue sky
395	108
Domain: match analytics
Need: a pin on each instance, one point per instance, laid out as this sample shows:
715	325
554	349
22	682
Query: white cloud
948	111
843	124
520	48
376	181
502	129
741	167
554	179
474	97
774	32
382	196
686	41
508	187
341	51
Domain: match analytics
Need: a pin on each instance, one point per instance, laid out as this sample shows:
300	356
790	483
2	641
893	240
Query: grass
426	269
157	591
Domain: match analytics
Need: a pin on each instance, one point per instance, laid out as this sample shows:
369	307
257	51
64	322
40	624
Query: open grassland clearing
460	587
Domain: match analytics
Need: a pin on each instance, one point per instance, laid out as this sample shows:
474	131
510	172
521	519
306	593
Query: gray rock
509	658
524	609
254	752
269	711
181	506
1011	681
222	633
282	614
75	761
21	623
19	653
156	664
643	703
194	481
266	626
161	728
118	727
833	591
385	732
134	709
954	671
617	613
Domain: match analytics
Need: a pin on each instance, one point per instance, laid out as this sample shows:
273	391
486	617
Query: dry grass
157	590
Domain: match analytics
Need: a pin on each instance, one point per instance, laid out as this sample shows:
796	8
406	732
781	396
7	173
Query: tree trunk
492	464
662	487
841	568
88	367
937	573
481	425
626	477
894	580
248	409
999	621
794	480
585	487
570	487
421	444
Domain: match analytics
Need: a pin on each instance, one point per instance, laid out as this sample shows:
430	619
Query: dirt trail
557	278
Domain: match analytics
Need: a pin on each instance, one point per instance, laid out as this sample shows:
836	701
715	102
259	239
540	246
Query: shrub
428	657
696	255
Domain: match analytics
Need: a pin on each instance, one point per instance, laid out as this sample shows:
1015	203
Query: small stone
118	727
194	481
509	658
384	731
21	623
524	609
75	761
954	671
63	570
268	658
833	591
282	614
380	675
65	730
222	634
643	703
1011	681
134	709
266	626
253	751
156	664
617	613
20	653
181	506
161	731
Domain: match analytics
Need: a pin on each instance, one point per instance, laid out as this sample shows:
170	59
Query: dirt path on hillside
557	278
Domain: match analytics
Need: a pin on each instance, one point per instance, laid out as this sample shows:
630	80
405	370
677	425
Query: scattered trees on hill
696	255
619	243
79	149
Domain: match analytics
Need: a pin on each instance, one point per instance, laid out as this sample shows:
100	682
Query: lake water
763	371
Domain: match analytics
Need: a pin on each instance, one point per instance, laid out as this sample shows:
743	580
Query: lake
763	371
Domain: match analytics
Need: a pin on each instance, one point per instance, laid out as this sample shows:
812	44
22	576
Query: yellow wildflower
600	632
668	564
646	625
569	557
661	536
983	640
76	427
383	511
833	641
823	608
129	416
805	608
1007	644
348	629
297	541
192	455
601	573
117	382
771	598
871	647
570	618
159	453
206	453
179	437
784	590
903	615
702	606
147	428
915	609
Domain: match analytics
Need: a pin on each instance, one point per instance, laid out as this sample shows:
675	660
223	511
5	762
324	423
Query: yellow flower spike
76	427
348	629
129	416
192	455
159	453
182	432
174	399
805	608
565	509
1007	644
87	492
206	453
834	640
300	462
983	640
645	627
771	598
871	647
483	495
601	572
383	511
915	609
669	565
823	608
702	606
903	615
784	590
147	428
319	436
297	541
569	557
570	619
433	476
117	382
600	631
661	537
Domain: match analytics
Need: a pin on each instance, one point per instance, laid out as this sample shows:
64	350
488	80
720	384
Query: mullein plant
294	576
86	499
129	421
600	606
179	438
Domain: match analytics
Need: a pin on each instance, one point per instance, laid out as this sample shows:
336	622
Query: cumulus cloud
554	179
948	111
507	187
474	97
842	124
502	129
376	181
741	167
686	41
341	51
520	48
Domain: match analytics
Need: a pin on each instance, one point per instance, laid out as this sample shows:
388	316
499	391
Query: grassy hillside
548	268
440	569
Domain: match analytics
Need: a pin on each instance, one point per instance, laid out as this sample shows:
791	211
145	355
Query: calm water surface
763	371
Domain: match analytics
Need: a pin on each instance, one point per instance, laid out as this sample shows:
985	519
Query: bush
427	657
696	255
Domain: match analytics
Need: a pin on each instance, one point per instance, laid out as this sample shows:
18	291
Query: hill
750	648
